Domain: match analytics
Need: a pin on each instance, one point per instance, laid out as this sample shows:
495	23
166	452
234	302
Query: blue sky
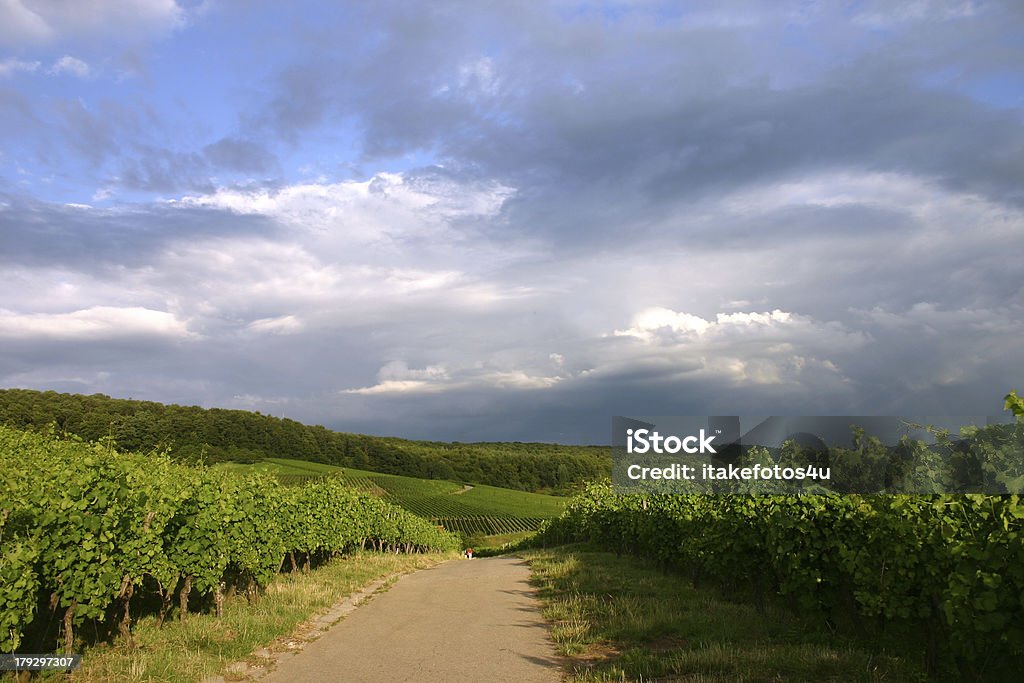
467	220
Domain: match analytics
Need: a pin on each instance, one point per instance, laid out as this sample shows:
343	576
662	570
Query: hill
478	509
215	435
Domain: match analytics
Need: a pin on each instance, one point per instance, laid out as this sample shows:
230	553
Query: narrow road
464	620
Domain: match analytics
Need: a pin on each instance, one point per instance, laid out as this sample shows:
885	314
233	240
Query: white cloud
97	322
937	320
517	379
775	317
9	67
651	323
398	378
775	347
479	76
71	66
350	253
842	188
285	324
21	24
399	387
400	370
27	22
245	279
386	208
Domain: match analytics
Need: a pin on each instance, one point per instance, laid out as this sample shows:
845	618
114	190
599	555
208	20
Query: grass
204	646
494	500
495	544
429	498
617	619
282	466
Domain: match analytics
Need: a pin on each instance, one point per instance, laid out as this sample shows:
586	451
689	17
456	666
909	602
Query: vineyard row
949	567
489	525
84	528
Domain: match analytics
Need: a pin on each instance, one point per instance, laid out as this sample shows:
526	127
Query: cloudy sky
513	220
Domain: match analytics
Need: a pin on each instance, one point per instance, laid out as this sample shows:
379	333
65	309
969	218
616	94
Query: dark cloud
167	171
95	135
300	103
238	154
569	212
37	234
588	118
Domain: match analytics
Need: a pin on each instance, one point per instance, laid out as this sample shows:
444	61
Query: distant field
480	509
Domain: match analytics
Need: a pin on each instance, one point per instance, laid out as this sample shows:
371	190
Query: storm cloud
514	221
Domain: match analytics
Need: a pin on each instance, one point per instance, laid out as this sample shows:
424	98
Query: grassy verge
495	544
617	620
204	645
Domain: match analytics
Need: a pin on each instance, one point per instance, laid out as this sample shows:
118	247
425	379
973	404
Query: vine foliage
84	528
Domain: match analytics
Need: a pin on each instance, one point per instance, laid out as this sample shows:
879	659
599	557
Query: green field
469	510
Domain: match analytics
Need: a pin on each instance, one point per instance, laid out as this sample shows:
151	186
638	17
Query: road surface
464	620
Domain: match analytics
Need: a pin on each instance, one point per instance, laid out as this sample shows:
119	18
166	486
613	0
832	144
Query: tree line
193	434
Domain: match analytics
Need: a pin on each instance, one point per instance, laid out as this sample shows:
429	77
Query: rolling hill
467	509
194	434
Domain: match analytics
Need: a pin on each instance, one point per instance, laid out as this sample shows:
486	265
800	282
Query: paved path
464	620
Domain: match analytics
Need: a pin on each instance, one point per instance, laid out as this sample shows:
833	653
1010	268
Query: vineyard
462	509
85	529
948	567
488	526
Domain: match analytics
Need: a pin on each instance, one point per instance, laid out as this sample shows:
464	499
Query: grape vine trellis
89	527
490	511
949	566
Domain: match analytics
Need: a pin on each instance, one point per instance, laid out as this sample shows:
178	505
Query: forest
193	434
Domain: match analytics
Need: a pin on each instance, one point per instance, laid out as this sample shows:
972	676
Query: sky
514	220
